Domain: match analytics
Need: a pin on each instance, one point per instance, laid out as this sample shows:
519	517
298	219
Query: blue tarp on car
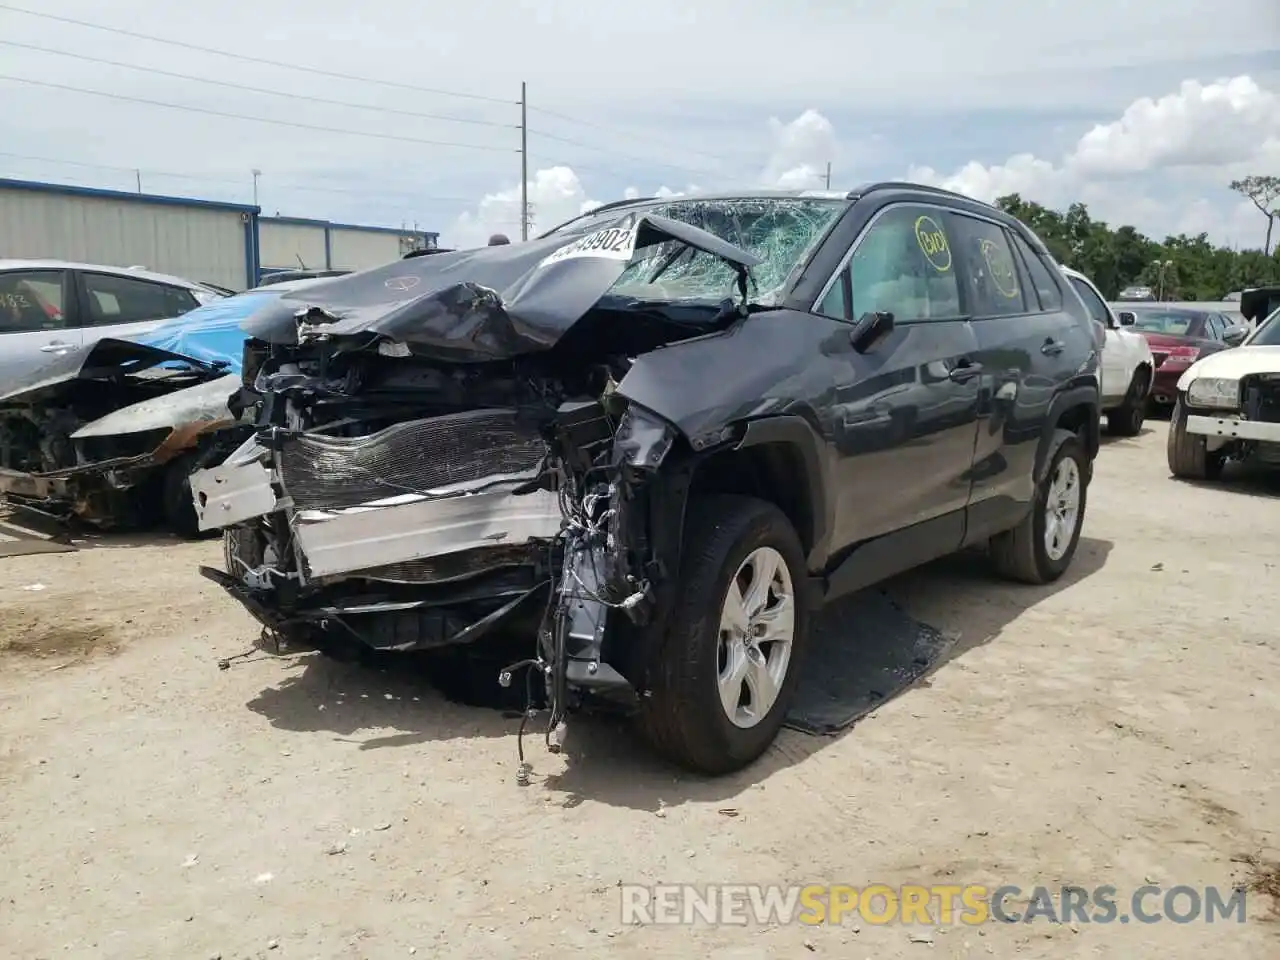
211	333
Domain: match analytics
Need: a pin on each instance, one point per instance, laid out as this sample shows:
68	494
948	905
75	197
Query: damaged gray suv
662	436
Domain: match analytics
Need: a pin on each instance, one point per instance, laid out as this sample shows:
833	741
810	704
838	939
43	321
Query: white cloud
1190	143
556	194
801	151
1210	125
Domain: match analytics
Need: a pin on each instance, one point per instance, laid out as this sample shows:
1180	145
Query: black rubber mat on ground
19	541
863	651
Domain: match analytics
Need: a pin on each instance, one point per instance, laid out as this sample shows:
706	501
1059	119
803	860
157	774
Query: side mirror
1234	336
1128	318
869	329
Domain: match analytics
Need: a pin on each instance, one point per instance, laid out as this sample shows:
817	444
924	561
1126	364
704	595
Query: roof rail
874	185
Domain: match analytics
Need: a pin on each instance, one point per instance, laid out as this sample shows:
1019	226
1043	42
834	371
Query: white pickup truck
1228	407
1125	372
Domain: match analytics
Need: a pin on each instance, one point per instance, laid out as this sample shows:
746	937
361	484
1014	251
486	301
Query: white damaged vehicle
1228	407
1125	373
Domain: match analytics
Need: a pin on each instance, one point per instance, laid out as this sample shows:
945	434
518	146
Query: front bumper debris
1234	428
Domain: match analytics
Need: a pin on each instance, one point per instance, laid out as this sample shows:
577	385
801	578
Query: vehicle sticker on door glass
933	244
612	243
1000	267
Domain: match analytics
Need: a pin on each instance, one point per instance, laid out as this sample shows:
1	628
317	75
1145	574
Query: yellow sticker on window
933	244
1000	265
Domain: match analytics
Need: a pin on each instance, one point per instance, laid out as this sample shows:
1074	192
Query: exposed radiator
328	473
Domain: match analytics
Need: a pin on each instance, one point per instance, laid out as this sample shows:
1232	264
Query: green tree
1264	192
1182	267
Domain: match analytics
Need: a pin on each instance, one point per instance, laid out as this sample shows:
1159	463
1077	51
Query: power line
267	120
198	178
246	58
622	133
616	153
345	103
274	93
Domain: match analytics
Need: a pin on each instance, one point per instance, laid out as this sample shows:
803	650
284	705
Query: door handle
964	372
55	347
1052	347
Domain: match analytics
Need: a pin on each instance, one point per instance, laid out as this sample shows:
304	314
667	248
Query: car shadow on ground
396	702
45	534
384	701
958	595
1242	479
1109	439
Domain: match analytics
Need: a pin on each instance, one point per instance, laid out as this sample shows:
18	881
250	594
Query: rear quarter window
1044	281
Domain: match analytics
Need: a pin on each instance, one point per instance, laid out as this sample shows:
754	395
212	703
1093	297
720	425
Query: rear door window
32	300
1043	281
114	299
989	272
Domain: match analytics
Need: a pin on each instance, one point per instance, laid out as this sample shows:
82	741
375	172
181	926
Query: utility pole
256	174
524	161
138	175
828	174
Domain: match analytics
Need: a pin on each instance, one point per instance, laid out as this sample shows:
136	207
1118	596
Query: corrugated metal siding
281	245
358	249
198	243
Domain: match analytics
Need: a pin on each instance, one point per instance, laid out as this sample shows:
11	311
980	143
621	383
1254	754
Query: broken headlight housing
643	439
1217	392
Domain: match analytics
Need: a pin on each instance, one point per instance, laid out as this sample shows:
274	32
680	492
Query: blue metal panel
37	187
251	251
296	221
362	229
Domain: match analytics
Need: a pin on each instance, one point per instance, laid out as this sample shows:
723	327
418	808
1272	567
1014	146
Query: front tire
1188	455
1041	547
729	661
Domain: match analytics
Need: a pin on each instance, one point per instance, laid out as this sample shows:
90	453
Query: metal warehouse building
224	243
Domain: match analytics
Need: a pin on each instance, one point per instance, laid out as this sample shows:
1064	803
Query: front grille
1261	398
327	473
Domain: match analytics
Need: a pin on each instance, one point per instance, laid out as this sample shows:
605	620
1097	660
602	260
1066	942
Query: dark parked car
665	433
1179	335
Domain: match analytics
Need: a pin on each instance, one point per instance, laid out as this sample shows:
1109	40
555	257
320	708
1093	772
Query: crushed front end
400	504
88	436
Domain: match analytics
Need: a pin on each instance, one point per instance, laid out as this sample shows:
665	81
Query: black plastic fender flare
796	431
1052	435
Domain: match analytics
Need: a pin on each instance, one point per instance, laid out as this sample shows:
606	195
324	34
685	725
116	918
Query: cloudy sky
397	112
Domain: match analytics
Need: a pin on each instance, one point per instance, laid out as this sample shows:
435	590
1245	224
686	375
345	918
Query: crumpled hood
108	359
1233	363
203	403
492	303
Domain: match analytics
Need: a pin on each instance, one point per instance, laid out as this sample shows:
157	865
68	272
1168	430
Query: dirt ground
1121	727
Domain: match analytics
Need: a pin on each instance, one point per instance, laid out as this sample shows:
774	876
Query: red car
1179	334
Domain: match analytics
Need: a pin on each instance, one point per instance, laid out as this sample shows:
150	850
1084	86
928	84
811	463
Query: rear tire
1188	454
1024	553
179	511
1126	419
707	679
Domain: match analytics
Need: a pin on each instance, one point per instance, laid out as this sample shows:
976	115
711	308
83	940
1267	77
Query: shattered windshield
782	231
